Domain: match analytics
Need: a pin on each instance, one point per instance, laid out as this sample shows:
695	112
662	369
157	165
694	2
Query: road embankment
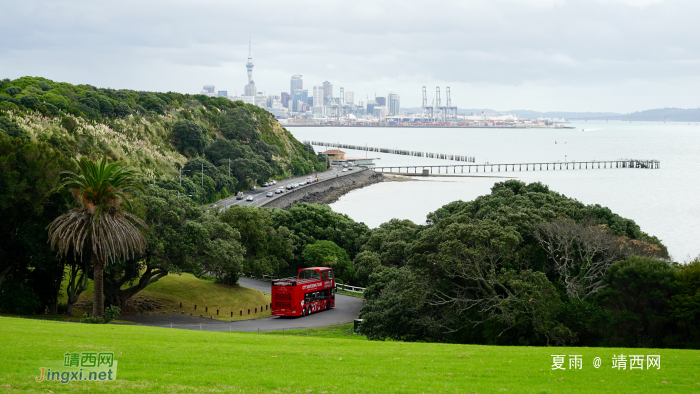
326	191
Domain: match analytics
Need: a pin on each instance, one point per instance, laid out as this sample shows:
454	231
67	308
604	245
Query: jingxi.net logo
84	366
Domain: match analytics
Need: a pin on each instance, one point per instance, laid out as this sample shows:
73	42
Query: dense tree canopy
522	265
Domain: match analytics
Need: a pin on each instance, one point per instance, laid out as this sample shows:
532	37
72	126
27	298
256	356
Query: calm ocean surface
664	202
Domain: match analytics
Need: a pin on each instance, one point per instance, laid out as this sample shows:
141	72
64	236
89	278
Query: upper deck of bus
297	281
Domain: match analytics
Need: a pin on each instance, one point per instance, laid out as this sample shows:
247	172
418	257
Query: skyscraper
327	92
296	84
380	100
285	99
223	93
249	89
394	104
299	97
208	89
350	97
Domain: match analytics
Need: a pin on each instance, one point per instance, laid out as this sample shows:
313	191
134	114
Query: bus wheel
303	311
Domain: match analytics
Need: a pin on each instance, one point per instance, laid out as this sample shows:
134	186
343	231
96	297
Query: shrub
111	313
91	320
69	124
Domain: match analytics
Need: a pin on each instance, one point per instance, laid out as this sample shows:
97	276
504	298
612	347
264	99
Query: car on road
290	187
253	188
345	170
274	182
269	194
239	196
279	190
249	198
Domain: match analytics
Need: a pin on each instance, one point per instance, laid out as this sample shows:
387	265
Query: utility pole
202	174
181	175
229	167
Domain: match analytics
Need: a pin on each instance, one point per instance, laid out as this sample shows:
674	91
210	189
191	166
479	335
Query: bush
18	298
111	313
91	320
69	124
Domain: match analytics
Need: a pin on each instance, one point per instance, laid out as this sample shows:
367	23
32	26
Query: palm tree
101	220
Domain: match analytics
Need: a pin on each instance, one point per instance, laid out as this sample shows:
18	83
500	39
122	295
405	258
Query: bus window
330	274
309	274
324	275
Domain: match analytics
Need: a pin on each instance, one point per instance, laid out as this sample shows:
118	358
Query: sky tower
249	89
249	65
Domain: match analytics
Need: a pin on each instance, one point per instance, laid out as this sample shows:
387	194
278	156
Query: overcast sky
544	55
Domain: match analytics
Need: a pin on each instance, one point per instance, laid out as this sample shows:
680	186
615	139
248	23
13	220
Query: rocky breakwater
326	191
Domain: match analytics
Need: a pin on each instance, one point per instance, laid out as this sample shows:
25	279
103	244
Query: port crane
425	106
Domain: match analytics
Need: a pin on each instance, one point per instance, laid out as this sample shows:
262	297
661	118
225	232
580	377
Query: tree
190	137
312	222
12	129
101	219
581	253
12	90
328	254
638	295
267	247
181	238
29	174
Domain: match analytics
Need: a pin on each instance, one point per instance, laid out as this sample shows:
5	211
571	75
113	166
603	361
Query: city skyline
598	55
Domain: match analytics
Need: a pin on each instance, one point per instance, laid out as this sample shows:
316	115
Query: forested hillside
157	134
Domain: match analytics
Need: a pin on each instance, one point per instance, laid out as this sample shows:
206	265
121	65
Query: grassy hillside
172	360
166	294
141	129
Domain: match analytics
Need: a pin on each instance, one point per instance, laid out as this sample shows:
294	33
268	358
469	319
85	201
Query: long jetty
573	165
429	155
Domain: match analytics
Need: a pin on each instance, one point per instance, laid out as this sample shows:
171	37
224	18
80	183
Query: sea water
664	202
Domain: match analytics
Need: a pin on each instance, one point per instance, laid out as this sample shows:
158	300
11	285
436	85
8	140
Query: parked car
345	170
290	187
269	194
265	184
253	188
274	182
249	198
239	196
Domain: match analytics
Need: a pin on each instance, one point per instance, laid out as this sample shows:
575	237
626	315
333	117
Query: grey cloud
506	46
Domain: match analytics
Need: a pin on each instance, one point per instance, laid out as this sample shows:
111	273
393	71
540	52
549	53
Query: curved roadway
259	195
346	310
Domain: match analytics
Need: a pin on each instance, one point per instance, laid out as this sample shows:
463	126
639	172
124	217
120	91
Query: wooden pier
404	152
487	167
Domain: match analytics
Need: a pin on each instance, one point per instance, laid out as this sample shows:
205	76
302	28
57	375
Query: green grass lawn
171	360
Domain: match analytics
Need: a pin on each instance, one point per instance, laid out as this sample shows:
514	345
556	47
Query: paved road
346	310
259	197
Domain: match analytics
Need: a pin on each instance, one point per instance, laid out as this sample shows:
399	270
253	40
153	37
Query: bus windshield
309	274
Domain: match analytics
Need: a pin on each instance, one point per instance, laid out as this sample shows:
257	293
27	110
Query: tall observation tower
249	65
249	89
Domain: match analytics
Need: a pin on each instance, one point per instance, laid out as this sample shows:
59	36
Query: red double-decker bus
311	291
